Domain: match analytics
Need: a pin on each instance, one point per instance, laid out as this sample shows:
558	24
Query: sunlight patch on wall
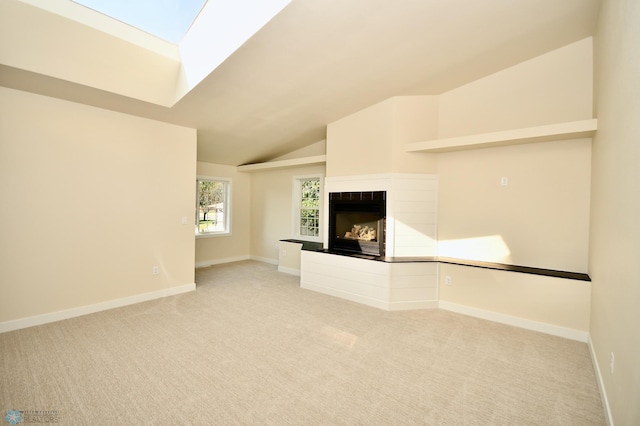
490	248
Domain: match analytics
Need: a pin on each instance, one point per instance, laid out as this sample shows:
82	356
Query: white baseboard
603	393
416	304
264	259
207	263
90	309
542	327
289	271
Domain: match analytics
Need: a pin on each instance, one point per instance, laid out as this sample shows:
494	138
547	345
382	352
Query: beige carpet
250	347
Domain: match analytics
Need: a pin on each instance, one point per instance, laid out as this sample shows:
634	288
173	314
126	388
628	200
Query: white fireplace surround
411	209
411	225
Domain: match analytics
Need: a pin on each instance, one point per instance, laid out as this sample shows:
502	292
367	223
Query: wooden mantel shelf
550	132
282	164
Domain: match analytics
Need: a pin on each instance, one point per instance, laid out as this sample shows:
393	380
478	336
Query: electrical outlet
155	270
504	181
448	280
613	362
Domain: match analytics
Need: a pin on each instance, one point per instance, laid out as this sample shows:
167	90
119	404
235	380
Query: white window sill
213	235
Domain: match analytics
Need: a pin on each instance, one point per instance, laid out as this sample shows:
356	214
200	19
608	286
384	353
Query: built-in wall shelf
550	132
282	164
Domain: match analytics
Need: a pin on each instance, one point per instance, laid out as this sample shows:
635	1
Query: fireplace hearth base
374	281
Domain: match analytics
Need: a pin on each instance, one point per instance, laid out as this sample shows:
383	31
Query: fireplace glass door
356	222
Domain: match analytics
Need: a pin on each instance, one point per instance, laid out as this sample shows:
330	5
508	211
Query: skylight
167	19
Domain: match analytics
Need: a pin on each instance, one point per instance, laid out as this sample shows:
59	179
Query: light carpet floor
250	347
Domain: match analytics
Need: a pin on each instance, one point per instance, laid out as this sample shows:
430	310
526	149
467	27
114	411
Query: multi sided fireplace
357	222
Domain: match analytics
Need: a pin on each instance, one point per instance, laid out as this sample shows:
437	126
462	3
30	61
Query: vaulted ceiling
313	63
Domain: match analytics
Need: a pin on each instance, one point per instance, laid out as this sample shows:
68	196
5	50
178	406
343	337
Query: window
307	207
213	206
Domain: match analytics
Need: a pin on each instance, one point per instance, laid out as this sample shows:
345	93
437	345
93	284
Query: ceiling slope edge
220	29
69	42
39	41
86	16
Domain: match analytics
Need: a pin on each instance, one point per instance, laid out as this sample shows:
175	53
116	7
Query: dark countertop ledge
306	245
452	261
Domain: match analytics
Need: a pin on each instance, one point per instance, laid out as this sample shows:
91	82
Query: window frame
296	207
227	206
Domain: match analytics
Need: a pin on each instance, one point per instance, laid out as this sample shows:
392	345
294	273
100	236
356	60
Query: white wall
318	148
551	88
414	119
551	305
371	141
272	209
541	218
614	260
91	201
360	143
224	248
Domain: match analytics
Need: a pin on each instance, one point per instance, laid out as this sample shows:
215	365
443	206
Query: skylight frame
161	24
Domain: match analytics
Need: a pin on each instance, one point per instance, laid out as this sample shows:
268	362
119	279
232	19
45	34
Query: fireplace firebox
357	222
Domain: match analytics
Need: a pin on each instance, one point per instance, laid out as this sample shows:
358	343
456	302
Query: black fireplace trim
358	196
358	202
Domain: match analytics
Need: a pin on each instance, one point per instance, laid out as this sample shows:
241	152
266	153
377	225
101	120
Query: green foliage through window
310	207
212	206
